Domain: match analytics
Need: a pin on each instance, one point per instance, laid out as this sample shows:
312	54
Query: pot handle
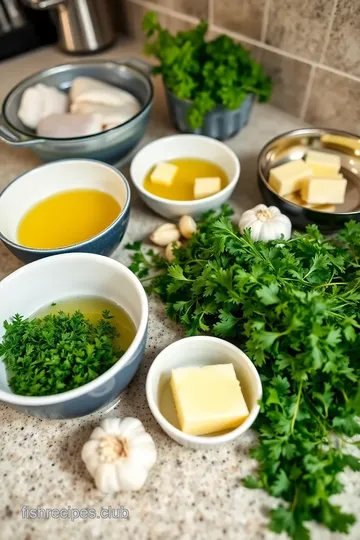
10	137
43	4
137	63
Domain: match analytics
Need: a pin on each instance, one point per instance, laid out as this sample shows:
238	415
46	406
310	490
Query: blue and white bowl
44	181
67	276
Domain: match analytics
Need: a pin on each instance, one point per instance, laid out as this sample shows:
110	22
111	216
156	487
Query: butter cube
204	187
208	399
296	199
164	174
324	191
323	163
288	177
337	176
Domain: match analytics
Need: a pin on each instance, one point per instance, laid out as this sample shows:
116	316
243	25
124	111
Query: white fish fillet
40	101
63	126
110	115
94	91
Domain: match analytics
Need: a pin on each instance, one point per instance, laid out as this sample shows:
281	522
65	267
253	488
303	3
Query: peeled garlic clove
187	226
169	251
165	234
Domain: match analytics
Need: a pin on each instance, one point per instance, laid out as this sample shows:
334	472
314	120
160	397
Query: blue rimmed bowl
71	275
55	177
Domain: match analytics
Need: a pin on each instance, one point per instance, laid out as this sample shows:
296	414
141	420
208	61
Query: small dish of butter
203	391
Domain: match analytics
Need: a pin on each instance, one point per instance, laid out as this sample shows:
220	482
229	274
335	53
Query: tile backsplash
311	48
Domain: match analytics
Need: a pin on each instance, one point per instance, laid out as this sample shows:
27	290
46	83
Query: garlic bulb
265	223
119	454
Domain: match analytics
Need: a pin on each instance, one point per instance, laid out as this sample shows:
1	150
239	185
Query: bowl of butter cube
185	175
313	176
203	391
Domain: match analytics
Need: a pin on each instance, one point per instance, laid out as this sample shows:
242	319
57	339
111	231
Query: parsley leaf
295	310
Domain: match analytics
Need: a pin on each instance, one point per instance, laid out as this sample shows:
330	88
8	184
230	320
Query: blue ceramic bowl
67	276
44	181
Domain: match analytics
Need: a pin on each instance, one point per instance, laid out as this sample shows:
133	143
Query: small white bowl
184	146
203	351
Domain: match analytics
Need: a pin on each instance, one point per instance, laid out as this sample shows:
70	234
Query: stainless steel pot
109	146
84	26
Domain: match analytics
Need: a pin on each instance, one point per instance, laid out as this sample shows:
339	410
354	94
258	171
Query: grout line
245	39
280	52
328	32
307	93
166	11
211	11
265	21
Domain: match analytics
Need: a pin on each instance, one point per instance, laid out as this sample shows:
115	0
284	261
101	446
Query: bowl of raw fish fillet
104	105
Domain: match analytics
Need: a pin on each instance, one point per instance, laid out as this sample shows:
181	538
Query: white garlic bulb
119	454
265	223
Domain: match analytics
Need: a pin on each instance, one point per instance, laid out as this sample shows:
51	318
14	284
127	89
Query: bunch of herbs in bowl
210	85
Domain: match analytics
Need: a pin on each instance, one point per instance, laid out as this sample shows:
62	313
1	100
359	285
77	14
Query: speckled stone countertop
189	495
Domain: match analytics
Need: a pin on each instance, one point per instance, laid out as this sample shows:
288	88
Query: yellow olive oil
67	218
92	308
182	187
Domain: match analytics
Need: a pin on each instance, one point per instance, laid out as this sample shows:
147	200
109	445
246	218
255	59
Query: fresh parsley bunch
217	72
294	307
52	354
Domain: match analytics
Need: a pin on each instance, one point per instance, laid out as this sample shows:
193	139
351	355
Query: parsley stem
296	409
142	280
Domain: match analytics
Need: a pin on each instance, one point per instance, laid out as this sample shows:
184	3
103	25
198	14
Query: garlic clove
187	226
169	251
165	234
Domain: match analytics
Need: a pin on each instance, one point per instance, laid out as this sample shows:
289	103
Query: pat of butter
337	176
288	177
296	199
163	174
322	163
324	191
208	399
204	187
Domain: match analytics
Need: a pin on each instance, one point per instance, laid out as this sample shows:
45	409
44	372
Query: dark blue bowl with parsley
91	382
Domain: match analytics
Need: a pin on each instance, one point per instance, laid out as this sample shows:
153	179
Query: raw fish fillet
64	126
40	101
110	115
88	89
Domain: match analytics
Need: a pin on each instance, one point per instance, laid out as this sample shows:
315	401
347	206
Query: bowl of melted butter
66	206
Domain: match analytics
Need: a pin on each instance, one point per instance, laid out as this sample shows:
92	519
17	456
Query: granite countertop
189	494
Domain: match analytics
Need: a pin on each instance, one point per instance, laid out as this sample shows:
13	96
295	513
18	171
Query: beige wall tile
195	8
343	51
334	102
299	26
243	16
290	78
131	16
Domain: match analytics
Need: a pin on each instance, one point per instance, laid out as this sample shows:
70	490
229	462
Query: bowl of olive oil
185	174
78	322
62	207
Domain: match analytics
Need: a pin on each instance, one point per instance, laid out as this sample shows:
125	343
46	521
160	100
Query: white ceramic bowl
203	351
66	276
184	146
51	178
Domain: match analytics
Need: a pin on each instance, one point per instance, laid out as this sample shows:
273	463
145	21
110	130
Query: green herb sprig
53	354
293	306
208	73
